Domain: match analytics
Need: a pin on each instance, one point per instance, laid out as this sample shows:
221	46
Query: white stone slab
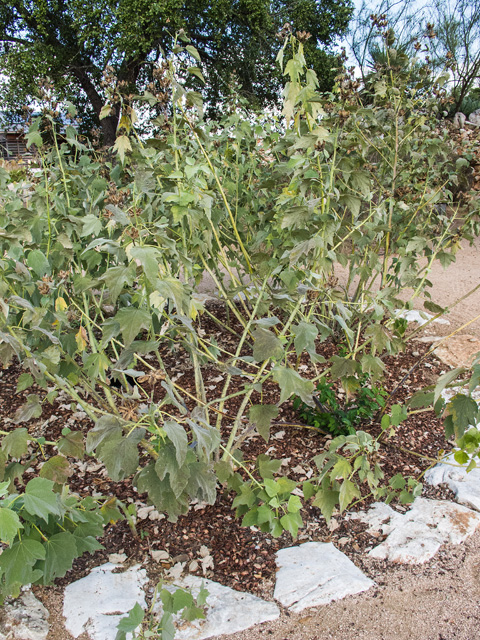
415	536
227	611
378	517
24	619
420	317
316	573
96	603
465	486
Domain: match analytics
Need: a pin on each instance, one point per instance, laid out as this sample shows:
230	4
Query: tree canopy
452	28
73	42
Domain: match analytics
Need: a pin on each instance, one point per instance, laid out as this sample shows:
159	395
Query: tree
365	37
457	44
451	26
74	42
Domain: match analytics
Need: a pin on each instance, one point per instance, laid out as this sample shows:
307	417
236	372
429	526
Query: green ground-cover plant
176	603
336	416
43	525
309	228
45	531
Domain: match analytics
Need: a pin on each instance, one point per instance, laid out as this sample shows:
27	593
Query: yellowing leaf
60	304
81	339
121	146
105	111
124	123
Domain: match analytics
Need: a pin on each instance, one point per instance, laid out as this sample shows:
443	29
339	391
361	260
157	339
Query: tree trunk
108	124
109	129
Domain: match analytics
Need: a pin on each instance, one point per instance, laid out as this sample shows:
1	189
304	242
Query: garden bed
240	557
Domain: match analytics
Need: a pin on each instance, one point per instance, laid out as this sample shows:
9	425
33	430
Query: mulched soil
209	539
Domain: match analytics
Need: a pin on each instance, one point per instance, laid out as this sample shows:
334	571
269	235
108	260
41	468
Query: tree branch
16	40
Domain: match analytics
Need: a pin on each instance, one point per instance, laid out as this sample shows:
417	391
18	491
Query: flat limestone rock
316	573
228	611
465	486
420	317
24	619
415	536
95	604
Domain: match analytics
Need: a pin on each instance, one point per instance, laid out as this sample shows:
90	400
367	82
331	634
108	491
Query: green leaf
267	467
341	469
343	367
3	464
60	552
130	622
372	365
208	438
379	334
106	427
31	409
10	525
291	382
17	561
72	444
116	278
166	464
291	522
149	258
326	500
120	454
92	226
271	487
196	72
167	626
96	364
179	438
203	482
87	543
223	470
40	499
398	414
348	492
308	490
170	289
294	504
464	412
34	138
38	262
305	336
57	469
15	444
25	380
160	492
132	321
266	345
261	415
434	308
193	52
460	456
265	514
352	202
444	380
475	377
397	482
181	599
421	399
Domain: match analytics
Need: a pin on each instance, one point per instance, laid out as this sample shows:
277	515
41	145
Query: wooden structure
12	144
